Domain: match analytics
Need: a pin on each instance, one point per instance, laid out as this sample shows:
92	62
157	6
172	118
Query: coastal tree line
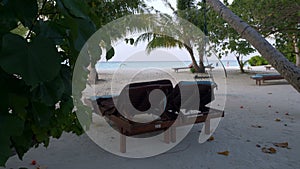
277	20
40	41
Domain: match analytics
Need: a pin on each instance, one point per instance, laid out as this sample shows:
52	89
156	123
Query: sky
158	4
125	52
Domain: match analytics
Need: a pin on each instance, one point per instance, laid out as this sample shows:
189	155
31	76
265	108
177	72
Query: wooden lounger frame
210	67
127	127
169	135
178	68
263	77
268	67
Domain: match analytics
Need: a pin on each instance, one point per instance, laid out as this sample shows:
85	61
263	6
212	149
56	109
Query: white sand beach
256	117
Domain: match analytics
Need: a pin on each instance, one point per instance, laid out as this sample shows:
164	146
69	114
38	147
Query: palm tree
180	35
158	40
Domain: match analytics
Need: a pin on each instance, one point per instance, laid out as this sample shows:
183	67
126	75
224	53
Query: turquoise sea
156	64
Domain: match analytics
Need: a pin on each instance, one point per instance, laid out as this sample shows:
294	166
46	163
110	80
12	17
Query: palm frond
163	41
144	37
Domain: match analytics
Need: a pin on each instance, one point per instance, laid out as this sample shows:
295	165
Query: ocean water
156	64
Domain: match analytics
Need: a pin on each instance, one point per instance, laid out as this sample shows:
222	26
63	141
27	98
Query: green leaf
56	133
23	142
63	114
93	48
40	133
80	31
131	41
77	8
50	92
10	126
85	30
26	11
84	114
110	53
66	75
3	94
35	62
5	150
8	21
20	30
51	30
13	92
18	105
42	114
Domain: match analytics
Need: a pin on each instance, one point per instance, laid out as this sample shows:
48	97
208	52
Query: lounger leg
207	126
167	136
173	134
259	82
122	142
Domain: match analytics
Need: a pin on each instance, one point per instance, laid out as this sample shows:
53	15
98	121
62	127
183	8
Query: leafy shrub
257	61
192	69
37	61
36	92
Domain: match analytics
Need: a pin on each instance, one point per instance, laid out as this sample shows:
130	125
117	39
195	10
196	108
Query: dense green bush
192	69
39	45
257	61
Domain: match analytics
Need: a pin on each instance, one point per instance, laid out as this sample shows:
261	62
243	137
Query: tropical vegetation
39	44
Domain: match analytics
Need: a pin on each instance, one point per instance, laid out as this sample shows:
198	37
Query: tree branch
35	20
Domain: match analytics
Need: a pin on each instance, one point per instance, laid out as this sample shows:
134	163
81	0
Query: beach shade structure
163	102
263	77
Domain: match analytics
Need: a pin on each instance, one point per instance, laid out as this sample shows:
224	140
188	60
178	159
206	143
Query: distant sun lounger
191	65
262	77
178	68
268	67
210	67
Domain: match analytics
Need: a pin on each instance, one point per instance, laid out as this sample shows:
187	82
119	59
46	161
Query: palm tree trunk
201	62
201	67
195	65
287	69
93	75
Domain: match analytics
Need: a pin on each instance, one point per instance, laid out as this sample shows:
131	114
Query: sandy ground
255	117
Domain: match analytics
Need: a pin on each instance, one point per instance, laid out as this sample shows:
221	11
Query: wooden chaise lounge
134	99
263	77
178	68
210	67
